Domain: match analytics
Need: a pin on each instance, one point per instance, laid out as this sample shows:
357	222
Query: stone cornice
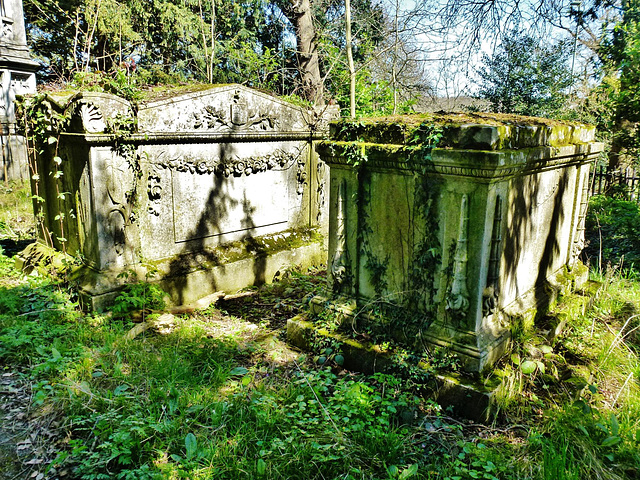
467	163
191	137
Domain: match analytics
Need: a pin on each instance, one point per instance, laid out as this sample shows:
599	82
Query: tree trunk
352	70
298	12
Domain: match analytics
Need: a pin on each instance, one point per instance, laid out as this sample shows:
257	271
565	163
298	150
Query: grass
216	393
16	211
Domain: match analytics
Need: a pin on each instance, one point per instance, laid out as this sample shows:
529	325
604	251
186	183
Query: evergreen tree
525	77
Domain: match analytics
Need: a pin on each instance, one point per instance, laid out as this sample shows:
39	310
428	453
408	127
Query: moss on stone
483	131
252	247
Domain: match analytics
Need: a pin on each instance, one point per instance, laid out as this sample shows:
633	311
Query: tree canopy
526	77
299	47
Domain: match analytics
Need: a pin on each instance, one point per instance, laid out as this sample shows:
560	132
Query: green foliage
16	211
207	402
472	461
117	83
138	296
613	237
525	76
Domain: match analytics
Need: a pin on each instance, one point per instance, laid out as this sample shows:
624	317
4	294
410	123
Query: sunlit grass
218	395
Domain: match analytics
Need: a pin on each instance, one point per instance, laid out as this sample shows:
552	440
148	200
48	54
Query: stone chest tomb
17	77
215	189
456	225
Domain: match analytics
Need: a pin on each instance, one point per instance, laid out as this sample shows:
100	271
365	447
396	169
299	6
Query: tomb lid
472	131
226	109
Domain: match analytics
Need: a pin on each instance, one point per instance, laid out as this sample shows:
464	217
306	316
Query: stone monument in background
17	77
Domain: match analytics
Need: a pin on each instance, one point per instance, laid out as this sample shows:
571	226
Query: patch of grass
612	233
210	399
16	211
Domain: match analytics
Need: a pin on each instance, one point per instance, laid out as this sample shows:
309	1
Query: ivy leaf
52	140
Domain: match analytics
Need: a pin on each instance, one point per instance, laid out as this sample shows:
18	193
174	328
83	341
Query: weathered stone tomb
456	225
17	77
211	190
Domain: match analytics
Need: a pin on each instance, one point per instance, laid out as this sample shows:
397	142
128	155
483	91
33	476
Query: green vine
427	256
414	307
41	125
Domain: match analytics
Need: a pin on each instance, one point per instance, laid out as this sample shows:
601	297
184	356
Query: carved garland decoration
236	167
279	159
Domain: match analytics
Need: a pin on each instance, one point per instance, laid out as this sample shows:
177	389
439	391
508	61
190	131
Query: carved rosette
457	303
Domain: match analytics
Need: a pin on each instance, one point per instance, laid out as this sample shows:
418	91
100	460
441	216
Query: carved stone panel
113	185
229	109
210	194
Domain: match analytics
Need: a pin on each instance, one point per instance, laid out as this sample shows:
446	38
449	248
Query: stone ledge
98	289
469	399
475	131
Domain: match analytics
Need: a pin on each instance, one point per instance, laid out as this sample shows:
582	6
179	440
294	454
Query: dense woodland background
574	60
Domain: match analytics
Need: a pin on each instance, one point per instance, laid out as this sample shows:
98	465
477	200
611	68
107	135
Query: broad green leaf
120	390
191	445
610	441
528	367
56	354
261	467
615	426
410	471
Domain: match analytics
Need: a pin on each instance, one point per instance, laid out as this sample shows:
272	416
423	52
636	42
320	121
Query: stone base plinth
98	290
